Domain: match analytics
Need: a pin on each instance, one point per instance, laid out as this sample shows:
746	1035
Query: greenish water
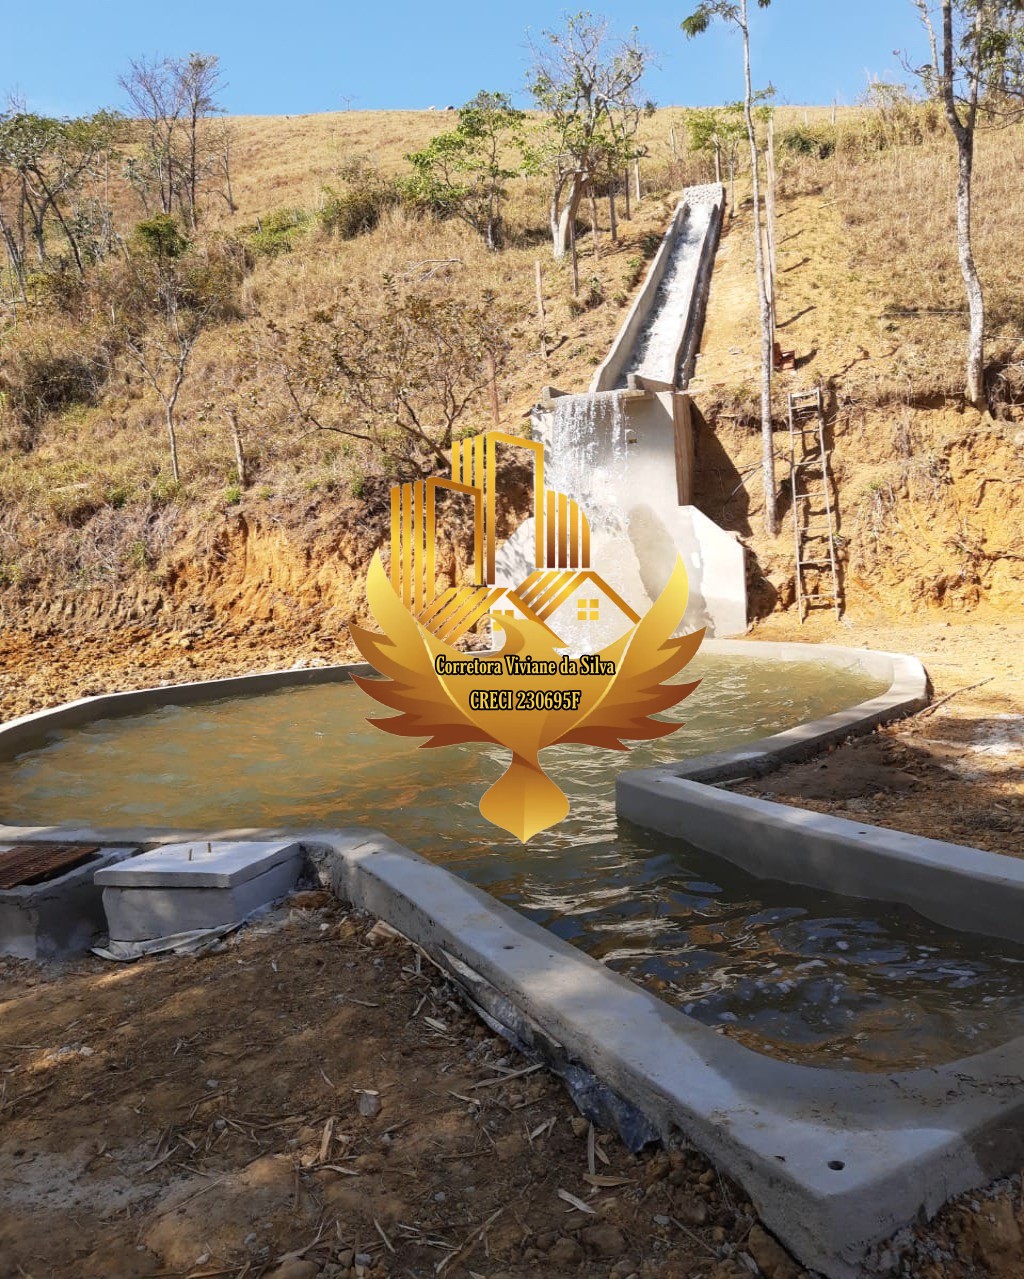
796	972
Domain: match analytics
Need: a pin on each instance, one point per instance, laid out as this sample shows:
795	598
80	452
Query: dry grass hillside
94	533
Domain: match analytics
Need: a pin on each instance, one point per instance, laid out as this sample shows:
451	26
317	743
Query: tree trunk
173	439
593	216
611	209
771	522
972	284
562	220
628	212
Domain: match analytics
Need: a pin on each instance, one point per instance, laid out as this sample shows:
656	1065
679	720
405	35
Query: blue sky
312	56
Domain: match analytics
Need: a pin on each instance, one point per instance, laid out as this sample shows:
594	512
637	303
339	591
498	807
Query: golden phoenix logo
577	665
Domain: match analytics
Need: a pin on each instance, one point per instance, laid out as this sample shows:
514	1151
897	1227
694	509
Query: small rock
566	1252
605	1240
295	1268
661	1220
363	1259
579	1126
346	1258
772	1259
691	1211
997	1235
249	1238
383	932
368	1101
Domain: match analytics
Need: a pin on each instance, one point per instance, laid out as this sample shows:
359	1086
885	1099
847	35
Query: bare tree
579	77
975	66
173	99
159	318
695	24
398	376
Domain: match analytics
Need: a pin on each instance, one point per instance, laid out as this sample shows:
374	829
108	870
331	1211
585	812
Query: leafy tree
697	23
160	237
579	78
463	173
45	166
976	70
719	131
397	376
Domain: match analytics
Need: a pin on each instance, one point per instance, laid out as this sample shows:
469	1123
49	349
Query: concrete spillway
624	450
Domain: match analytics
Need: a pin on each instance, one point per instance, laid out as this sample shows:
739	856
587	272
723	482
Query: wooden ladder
813	529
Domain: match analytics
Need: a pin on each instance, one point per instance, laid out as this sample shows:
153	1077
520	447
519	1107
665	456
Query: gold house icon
562	590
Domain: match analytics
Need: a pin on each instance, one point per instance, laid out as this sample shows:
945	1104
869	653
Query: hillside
99	547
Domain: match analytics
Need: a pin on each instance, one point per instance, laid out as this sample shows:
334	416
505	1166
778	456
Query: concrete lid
199	864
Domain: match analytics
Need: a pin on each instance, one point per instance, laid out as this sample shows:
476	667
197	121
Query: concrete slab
200	863
834	1161
63	916
199	884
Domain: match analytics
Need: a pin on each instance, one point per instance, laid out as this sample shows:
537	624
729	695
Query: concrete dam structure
624	449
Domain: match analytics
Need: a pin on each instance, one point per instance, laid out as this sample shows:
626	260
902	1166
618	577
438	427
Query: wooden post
636	177
672	140
240	466
611	208
541	316
718	162
575	258
593	218
492	378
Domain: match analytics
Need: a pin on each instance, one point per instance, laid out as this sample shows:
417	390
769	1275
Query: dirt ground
955	771
204	1117
308	1100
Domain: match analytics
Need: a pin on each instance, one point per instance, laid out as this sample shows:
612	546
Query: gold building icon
562	587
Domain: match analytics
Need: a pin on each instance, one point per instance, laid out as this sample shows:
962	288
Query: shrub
276	233
46	372
159	237
359	206
815	141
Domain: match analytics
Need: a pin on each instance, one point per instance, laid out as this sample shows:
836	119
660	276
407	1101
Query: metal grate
35	863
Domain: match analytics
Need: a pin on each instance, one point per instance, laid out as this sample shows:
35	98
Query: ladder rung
815	563
828	595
